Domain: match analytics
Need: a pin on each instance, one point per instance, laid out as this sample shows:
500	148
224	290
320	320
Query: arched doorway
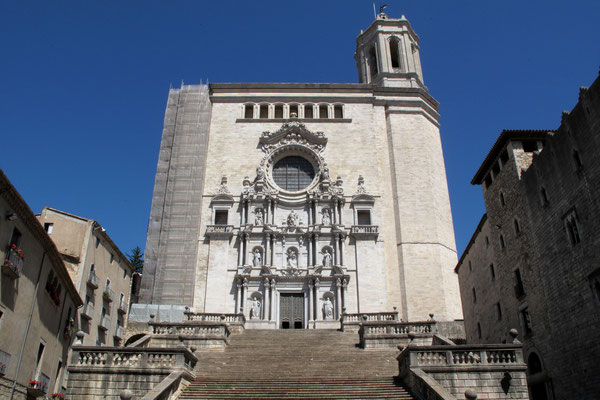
536	378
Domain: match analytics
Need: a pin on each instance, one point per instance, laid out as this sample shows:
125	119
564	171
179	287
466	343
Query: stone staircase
296	364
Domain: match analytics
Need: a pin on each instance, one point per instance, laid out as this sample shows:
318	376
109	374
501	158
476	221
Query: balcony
4	361
364	231
219	231
123	306
119	333
92	280
38	387
108	295
13	263
87	311
104	323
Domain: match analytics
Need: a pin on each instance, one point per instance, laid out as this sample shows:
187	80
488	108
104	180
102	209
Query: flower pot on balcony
10	270
36	389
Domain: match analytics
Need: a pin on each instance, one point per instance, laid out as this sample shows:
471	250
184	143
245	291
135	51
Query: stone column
338	296
316	247
336	242
238	299
241	253
344	293
244	294
310	246
272	212
339	210
243	213
314	211
273	299
268	249
311	289
267	211
246	238
333	213
318	314
342	246
266	302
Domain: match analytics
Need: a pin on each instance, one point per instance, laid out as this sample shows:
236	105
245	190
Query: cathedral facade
294	203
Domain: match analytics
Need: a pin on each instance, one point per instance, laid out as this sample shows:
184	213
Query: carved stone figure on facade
258	217
260	173
255	309
223	187
361	185
246	185
257	258
292	218
327	258
325	173
292	258
326	216
327	308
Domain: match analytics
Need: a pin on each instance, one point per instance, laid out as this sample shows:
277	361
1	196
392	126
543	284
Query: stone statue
326	216
326	258
258	217
325	173
292	258
255	310
260	173
257	259
327	308
292	218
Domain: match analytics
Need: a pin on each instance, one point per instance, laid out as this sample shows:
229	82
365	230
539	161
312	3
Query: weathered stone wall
488	384
97	385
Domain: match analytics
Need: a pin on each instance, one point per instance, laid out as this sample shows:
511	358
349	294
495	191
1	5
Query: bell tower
387	54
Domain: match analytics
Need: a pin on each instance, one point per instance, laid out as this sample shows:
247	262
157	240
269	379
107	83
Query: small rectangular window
479	330
96	242
308	111
338	111
264	111
577	160
502	242
492	272
323	111
499	311
488	180
248	111
16	238
40	356
496	169
48	227
294	111
543	196
519	288
112	258
470	266
474	296
526	320
572	227
363	217
279	111
517	226
221	217
502	199
530	146
504	157
107	284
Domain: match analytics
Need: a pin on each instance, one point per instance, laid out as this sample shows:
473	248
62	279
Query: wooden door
291	311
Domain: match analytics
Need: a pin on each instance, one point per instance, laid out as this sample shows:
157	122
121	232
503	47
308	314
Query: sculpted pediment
292	132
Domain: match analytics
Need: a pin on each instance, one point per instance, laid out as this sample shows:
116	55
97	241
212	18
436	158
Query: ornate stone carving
327	258
255	308
258	217
292	219
257	258
361	185
293	132
292	258
326	218
223	189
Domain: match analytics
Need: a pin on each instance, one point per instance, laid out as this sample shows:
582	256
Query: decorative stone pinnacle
514	333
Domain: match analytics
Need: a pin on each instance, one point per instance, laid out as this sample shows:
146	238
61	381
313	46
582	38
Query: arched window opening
395	52
279	111
294	111
373	62
338	111
264	111
249	111
323	111
308	111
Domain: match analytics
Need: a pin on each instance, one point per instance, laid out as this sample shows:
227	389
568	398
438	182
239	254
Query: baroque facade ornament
223	189
293	132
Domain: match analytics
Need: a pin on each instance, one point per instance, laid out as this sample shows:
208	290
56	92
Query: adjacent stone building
532	262
293	203
100	271
38	303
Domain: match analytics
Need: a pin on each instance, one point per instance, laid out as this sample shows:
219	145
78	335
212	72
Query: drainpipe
37	285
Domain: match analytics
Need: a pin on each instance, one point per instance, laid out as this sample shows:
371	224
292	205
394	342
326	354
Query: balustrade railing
376	328
219	230
133	357
366	317
425	357
190	330
215	317
369	229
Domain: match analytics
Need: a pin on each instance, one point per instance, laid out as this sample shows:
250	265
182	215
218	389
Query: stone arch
536	377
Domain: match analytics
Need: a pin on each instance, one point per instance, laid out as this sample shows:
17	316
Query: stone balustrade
364	231
200	334
215	317
493	371
351	322
219	231
376	334
91	357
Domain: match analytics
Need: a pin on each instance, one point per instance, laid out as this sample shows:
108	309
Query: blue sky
85	83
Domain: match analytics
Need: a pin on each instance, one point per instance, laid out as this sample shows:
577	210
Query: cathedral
296	203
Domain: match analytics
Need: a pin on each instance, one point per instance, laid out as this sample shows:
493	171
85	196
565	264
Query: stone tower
296	202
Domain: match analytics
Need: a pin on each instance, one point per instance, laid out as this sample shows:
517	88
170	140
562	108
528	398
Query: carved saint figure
292	258
255	310
257	258
325	173
326	258
327	308
260	173
326	216
258	217
292	218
